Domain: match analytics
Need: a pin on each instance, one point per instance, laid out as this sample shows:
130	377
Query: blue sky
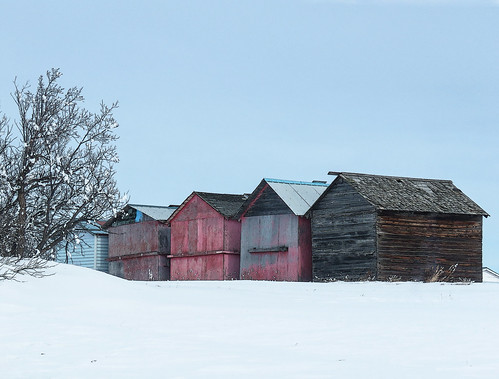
216	95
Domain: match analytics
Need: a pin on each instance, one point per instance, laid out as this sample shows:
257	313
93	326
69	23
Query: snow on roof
298	196
490	275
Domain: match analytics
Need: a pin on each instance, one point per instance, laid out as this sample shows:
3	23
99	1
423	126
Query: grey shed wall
343	235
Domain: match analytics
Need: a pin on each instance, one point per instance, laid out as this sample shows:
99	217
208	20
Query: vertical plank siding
411	246
270	248
197	229
343	236
205	245
275	242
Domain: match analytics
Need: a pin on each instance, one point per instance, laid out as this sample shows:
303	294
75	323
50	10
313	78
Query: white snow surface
81	323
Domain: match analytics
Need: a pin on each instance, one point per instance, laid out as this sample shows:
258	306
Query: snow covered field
81	323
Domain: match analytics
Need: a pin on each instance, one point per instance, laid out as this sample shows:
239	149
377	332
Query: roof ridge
152	206
218	193
295	182
387	176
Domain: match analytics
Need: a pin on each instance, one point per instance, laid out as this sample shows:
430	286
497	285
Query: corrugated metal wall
91	252
102	249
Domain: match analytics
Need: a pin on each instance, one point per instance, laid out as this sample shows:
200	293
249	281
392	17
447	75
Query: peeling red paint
262	240
136	238
138	251
205	245
220	266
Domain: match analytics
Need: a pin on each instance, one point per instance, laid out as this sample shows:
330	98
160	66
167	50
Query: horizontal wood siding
268	203
343	235
411	246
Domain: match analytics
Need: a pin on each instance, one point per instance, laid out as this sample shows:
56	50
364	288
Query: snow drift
81	323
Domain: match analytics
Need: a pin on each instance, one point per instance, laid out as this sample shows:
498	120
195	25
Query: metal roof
298	196
411	194
159	213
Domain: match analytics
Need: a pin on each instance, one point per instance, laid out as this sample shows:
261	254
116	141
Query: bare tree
56	169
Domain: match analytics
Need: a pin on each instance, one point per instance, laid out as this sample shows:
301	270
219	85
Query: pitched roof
227	205
411	194
158	213
489	275
298	196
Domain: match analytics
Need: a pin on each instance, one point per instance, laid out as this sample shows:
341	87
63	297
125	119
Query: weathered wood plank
343	236
411	246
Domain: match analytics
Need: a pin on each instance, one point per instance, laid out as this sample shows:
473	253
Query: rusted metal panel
274	248
217	266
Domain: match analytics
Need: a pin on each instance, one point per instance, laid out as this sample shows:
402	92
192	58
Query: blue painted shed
90	252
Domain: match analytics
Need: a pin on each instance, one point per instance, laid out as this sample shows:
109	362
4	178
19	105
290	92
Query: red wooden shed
205	237
139	242
275	235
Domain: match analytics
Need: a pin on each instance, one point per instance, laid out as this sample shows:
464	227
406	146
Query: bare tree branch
57	172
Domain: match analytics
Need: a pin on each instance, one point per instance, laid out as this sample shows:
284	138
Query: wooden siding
139	238
411	246
276	247
142	267
199	229
219	266
268	203
343	235
205	245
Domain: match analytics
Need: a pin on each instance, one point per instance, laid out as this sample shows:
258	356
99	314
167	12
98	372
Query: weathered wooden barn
139	242
275	235
91	250
205	237
395	228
